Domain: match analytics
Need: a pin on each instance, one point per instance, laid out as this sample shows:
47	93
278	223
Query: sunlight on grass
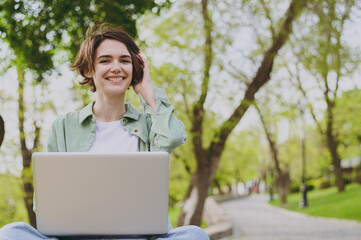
328	203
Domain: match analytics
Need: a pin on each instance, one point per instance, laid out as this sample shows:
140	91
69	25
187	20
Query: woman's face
113	68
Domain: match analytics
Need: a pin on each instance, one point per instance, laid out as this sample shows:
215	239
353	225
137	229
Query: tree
72	18
282	174
33	29
208	150
208	158
239	164
330	60
23	34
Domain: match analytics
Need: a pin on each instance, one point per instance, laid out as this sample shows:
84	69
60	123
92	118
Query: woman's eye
126	61
103	61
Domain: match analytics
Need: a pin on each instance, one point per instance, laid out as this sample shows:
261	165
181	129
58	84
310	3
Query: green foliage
348	122
357	174
317	156
320	183
34	28
309	187
74	17
240	159
25	29
294	188
173	214
182	164
326	51
12	206
176	81
84	92
325	184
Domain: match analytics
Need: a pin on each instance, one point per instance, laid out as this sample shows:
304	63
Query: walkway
254	219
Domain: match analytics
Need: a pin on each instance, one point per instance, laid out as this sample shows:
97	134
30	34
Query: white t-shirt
113	137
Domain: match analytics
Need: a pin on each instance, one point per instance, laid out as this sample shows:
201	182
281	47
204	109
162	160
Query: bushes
309	187
357	174
346	180
296	187
325	184
358	178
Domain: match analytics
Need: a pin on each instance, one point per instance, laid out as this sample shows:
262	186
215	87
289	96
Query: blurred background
269	91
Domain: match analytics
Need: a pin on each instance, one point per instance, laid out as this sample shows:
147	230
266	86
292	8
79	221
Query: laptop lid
92	194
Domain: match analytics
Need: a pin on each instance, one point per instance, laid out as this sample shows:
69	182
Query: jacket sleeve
166	132
52	144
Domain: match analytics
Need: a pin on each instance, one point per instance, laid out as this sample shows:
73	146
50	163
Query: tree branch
271	141
21	113
268	15
185	98
262	76
208	51
297	76
198	107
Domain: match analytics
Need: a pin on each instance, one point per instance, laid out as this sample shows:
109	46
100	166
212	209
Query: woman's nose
116	66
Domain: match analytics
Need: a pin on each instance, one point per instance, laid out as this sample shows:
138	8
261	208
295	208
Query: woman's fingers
143	60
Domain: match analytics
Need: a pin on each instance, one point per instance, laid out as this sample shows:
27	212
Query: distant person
110	63
2	130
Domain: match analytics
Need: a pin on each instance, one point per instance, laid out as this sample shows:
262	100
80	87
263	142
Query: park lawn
174	214
328	203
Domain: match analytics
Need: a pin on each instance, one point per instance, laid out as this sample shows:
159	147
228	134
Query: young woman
110	63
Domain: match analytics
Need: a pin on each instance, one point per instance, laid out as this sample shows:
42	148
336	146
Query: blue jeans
23	231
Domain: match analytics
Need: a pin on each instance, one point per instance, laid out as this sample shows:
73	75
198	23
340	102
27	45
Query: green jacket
157	130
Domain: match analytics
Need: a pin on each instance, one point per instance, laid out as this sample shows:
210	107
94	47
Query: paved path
254	219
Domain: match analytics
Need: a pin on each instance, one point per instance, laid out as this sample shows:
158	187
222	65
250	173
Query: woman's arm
166	132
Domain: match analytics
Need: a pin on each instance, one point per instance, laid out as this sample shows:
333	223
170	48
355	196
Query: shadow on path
254	219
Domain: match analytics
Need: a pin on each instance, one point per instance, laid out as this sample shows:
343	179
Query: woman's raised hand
145	84
144	87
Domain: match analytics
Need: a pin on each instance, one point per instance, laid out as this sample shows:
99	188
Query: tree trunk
282	179
218	186
26	154
282	182
2	130
26	175
196	196
332	146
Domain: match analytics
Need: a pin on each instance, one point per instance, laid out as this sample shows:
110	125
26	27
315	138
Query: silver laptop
100	195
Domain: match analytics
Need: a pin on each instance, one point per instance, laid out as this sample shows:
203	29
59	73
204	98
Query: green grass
328	203
174	214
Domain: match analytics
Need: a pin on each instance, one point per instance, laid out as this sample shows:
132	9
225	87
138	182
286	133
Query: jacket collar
87	111
131	112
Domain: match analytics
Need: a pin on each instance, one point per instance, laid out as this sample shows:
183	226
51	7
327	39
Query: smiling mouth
115	79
